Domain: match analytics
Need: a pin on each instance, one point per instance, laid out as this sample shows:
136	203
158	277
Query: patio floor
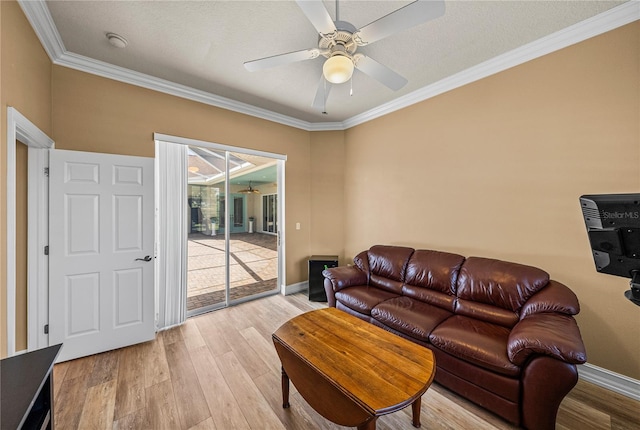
253	267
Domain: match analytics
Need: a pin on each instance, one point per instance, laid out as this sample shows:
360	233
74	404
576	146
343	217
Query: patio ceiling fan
249	190
339	40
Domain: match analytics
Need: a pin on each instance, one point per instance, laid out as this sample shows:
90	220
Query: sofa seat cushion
411	317
478	342
507	387
363	298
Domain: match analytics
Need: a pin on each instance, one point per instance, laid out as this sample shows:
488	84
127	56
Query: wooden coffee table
351	372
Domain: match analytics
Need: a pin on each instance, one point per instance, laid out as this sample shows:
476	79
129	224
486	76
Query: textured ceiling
203	44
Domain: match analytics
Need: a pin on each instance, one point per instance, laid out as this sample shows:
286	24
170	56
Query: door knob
146	258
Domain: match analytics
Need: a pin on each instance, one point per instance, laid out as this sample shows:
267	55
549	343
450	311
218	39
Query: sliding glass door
229	260
206	244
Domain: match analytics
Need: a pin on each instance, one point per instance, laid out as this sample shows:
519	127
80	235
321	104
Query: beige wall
496	168
91	113
25	79
493	169
88	113
326	231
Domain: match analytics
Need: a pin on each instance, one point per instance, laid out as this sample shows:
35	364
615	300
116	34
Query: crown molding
616	17
121	74
38	15
40	19
326	126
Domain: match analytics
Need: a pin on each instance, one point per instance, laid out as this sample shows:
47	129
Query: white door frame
280	231
20	128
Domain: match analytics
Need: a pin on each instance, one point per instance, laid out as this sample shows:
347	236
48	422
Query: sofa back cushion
361	261
431	277
387	266
496	290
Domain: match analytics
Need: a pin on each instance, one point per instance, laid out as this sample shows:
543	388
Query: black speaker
317	263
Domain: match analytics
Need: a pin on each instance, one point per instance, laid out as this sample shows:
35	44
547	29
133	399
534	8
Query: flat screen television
613	227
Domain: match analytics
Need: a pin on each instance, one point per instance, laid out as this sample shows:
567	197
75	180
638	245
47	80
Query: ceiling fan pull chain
351	82
324	96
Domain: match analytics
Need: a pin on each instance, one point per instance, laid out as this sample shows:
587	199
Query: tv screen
613	226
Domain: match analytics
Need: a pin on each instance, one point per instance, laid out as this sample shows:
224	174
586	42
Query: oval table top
378	371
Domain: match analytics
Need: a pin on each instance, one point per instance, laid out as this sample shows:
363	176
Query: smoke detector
116	40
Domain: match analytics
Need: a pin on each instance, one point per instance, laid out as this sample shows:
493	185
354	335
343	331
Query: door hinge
46	329
46	250
46	171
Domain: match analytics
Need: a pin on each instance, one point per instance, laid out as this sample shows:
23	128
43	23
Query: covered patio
253	267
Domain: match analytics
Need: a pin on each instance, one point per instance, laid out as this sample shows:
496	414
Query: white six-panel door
101	228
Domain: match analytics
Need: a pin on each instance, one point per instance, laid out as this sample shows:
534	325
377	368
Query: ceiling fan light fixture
338	69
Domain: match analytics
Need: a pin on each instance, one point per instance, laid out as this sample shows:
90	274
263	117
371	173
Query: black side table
26	389
317	263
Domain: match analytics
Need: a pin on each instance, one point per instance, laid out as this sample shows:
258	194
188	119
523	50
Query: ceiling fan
339	41
249	190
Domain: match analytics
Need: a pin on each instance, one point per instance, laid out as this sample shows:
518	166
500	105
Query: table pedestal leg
415	409
369	425
285	389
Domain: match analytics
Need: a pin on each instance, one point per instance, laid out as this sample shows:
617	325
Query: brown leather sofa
503	334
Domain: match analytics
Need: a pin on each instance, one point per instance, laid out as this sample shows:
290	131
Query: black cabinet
317	263
26	390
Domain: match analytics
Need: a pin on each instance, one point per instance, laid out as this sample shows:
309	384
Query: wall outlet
297	226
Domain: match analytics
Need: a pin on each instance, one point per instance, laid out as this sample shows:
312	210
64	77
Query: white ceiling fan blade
318	15
379	72
412	14
322	94
279	60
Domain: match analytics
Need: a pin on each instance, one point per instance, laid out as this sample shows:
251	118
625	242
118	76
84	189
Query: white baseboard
296	288
610	380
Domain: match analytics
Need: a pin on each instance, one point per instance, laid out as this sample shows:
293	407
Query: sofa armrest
345	276
555	297
553	334
337	278
545	382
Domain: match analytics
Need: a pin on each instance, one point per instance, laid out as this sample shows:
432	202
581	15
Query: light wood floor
221	371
